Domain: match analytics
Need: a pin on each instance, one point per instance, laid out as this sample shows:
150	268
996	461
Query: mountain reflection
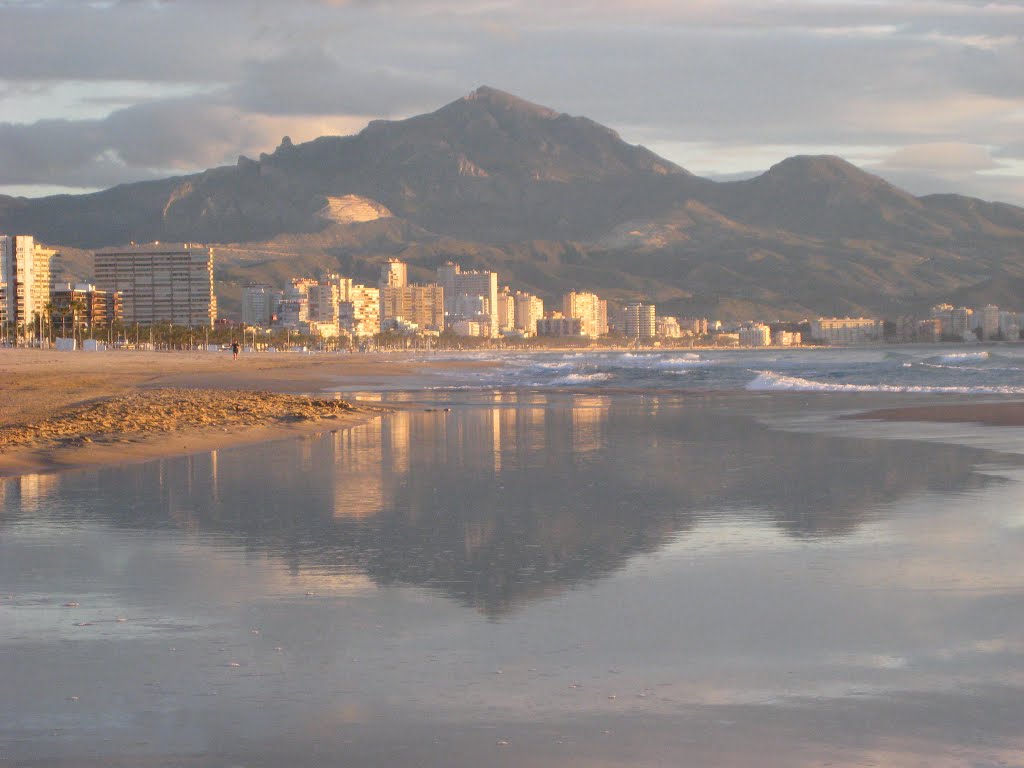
504	502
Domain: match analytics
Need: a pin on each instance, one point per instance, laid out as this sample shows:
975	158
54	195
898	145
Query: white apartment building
988	321
1009	325
591	309
360	315
639	321
421	305
846	330
160	282
755	335
24	278
259	304
506	310
529	309
293	312
394	274
458	283
957	322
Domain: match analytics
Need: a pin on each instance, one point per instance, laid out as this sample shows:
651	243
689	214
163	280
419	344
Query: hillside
557	202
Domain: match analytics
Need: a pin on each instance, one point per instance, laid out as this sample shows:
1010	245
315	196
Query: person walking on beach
234	350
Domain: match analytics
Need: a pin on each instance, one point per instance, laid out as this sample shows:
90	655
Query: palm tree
77	308
50	308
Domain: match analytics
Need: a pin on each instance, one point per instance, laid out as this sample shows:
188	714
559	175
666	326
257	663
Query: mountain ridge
554	200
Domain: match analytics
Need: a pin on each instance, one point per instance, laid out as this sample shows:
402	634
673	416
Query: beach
205	393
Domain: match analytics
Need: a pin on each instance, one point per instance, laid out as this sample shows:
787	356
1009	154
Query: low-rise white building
846	330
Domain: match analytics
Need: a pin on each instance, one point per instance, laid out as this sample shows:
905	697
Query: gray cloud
314	82
145	141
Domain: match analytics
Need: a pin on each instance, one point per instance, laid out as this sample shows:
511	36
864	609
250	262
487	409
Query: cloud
147	141
314	82
941	157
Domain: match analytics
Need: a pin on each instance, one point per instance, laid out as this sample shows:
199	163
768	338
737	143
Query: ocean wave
660	362
579	378
767	381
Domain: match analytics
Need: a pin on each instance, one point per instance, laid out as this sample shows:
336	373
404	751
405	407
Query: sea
595	559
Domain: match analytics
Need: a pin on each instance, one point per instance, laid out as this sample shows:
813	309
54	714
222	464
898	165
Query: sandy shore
1009	414
61	410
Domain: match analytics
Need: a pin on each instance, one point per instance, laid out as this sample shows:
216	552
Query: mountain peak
495	98
817	167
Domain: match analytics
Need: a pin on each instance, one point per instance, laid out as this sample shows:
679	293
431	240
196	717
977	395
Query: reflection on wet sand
516	498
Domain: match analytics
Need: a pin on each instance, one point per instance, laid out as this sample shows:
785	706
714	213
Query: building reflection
506	501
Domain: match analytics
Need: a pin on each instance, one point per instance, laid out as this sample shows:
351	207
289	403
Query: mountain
556	202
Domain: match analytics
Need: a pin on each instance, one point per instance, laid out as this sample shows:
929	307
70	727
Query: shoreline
42	388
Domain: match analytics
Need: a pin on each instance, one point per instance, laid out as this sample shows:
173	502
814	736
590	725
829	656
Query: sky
929	94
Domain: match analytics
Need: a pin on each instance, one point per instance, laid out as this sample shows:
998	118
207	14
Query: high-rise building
1009	326
360	315
394	274
640	321
506	310
259	304
323	299
160	282
343	285
458	283
962	323
590	309
529	309
957	322
24	278
988	321
419	304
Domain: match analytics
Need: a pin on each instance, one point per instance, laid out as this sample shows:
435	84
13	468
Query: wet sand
1009	414
61	410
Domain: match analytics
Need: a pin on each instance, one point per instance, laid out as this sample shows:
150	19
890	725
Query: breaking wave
767	381
579	378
